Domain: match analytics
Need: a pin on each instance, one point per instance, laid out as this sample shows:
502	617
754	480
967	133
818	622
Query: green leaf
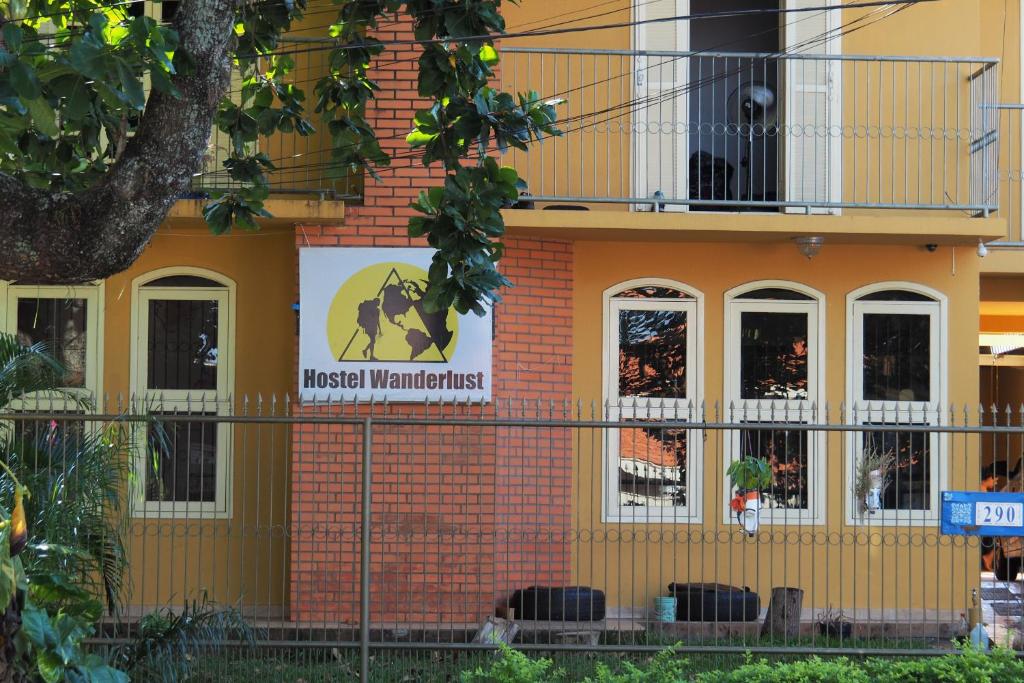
12	36
24	81
488	55
35	623
43	116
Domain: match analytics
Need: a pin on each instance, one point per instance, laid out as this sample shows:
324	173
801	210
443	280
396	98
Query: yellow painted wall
826	563
244	557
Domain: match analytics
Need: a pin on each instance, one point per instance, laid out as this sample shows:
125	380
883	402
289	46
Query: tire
714	602
573	603
1005	568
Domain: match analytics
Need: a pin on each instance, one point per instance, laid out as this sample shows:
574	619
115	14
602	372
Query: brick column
450	504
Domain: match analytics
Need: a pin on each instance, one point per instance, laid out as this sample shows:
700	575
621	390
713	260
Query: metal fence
735	130
393	532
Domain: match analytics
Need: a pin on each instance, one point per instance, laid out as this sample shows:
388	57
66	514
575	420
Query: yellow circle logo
378	315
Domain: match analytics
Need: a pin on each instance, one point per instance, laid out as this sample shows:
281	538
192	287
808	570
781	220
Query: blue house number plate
972	513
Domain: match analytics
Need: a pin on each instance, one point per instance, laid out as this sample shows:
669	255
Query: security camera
982	249
931	247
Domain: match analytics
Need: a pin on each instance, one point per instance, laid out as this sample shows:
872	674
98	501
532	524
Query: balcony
762	132
719	133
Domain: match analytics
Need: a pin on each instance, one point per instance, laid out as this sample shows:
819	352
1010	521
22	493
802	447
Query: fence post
364	555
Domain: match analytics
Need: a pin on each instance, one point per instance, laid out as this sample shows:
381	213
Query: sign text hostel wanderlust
365	333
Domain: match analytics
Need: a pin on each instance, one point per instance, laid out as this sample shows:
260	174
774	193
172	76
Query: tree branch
62	238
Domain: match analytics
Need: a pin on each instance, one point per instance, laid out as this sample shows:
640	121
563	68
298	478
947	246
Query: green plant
76	473
170	644
513	666
750	474
53	647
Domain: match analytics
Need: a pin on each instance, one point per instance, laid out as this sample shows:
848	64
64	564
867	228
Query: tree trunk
783	618
64	238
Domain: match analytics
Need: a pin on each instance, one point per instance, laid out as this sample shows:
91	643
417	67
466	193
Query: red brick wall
461	515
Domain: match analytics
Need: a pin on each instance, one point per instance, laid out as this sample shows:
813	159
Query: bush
967	666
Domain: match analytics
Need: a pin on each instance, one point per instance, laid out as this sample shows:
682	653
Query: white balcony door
659	117
812	112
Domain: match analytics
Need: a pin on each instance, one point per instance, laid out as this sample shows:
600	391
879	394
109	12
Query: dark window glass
897	357
652	292
182	462
182	344
907	486
652	353
652	467
168	8
777	294
60	324
895	295
786	453
184	281
773	355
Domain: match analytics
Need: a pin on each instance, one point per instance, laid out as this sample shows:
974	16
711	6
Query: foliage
75	517
89	60
967	666
514	667
61	528
750	474
170	644
53	646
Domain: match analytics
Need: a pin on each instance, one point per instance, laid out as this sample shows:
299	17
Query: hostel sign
365	333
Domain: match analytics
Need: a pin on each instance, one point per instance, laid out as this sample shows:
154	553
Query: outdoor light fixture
809	246
982	249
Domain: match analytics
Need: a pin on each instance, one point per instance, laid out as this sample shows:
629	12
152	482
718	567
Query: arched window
774	360
182	363
652	366
896	354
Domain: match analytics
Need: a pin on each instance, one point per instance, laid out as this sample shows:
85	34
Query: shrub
967	666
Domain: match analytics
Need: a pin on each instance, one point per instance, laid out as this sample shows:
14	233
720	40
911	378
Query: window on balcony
652	375
727	123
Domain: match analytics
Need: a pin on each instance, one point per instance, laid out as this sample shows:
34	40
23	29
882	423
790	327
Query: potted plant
834	624
871	479
749	476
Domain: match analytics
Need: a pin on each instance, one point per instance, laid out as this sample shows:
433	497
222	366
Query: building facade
765	217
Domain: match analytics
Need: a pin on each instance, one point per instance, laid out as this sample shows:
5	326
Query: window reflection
60	324
652	353
652	467
773	355
897	357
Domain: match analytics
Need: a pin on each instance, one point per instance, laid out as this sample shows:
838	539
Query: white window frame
907	412
681	410
216	401
769	410
95	299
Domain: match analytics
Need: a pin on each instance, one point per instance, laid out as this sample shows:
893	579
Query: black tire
1005	568
572	603
714	602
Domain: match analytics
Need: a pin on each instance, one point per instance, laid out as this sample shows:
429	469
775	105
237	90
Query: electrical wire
628	107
